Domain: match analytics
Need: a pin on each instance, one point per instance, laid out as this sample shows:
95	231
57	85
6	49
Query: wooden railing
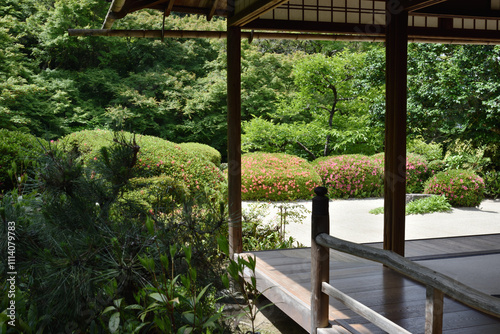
437	284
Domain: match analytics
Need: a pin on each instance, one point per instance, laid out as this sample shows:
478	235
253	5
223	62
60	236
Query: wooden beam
395	132
212	10
115	7
413	5
234	138
253	11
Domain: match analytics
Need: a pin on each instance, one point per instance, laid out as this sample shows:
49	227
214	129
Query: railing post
320	260
434	310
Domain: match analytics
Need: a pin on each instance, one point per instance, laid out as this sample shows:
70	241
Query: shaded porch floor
284	276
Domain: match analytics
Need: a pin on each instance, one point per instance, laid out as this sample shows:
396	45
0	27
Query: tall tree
329	112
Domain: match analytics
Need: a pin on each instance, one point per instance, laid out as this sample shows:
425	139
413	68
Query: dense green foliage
80	248
17	153
307	98
461	187
277	177
327	113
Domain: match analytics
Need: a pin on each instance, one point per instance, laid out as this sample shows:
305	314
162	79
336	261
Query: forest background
308	98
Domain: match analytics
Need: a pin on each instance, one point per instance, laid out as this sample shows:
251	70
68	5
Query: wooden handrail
450	287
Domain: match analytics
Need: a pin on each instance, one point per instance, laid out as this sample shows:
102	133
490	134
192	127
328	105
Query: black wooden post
395	129
234	137
320	260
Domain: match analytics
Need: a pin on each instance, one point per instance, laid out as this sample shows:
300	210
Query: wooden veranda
396	22
285	278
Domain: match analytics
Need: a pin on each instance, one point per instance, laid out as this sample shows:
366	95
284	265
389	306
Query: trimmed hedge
157	157
202	150
277	177
461	187
353	175
19	148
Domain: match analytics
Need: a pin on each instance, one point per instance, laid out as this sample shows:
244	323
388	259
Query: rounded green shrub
347	176
277	177
156	157
461	187
159	193
20	149
202	150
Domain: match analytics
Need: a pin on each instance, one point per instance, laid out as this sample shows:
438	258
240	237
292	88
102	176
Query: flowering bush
277	177
361	176
417	173
461	187
156	157
351	175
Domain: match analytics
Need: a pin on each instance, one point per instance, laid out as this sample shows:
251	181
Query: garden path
351	220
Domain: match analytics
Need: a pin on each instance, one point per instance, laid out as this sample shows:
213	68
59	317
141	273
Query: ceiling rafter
169	7
212	10
254	11
413	5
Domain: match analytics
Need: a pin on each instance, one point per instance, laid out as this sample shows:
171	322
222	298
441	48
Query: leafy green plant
377	211
462	155
461	187
263	233
428	205
492	184
351	175
241	271
276	177
173	303
422	206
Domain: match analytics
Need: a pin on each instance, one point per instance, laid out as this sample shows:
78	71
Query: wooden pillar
234	137
320	260
395	129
